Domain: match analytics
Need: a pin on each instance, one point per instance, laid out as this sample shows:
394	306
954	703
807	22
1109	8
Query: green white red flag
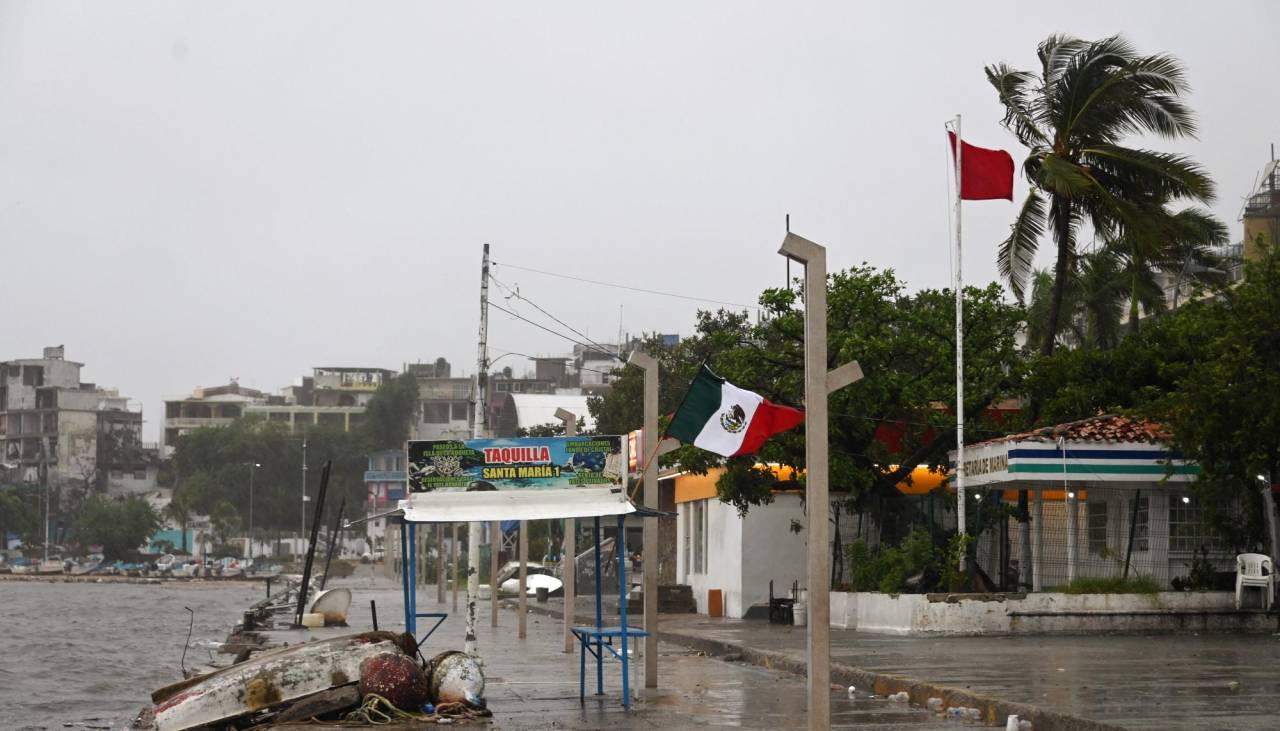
720	417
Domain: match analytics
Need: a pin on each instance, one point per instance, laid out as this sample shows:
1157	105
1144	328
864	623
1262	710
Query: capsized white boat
268	679
531	584
333	604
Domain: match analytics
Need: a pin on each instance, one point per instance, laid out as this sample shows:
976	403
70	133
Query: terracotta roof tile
1104	428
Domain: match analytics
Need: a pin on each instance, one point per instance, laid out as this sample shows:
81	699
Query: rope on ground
378	711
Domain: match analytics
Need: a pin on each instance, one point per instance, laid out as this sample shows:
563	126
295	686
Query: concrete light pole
253	466
818	384
650	534
569	552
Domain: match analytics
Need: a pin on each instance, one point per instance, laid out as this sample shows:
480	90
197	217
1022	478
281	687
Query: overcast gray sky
191	191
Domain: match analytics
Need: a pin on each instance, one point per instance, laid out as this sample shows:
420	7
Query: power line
540	326
506	352
516	293
633	289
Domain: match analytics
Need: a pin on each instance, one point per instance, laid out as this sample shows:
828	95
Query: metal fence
1159	536
1156	536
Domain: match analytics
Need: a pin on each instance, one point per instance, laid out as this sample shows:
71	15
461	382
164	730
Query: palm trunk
1133	310
1060	274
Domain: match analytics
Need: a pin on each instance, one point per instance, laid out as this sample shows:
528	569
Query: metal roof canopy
483	507
502	505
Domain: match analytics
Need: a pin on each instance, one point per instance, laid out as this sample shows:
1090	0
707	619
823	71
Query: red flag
984	174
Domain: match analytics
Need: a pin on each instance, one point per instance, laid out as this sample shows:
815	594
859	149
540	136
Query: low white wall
980	614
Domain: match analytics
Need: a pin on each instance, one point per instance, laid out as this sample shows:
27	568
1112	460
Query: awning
483	507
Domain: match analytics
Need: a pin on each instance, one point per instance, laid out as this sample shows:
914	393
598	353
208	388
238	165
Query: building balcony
384	476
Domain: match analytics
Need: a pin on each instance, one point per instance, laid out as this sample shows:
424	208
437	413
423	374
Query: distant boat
79	568
50	566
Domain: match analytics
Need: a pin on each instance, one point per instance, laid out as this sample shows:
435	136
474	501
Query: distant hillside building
445	408
331	396
54	425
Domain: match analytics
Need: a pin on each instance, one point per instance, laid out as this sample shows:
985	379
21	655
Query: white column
1037	540
524	580
649	461
569	557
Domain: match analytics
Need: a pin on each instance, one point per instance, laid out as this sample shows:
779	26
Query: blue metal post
599	615
404	571
621	543
412	626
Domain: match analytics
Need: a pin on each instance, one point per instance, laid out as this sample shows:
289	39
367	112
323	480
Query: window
172	410
699	510
139	474
1188	530
462	390
1096	515
32	376
1141	527
435	412
461	410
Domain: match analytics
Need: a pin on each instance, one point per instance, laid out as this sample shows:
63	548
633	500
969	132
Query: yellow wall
701	487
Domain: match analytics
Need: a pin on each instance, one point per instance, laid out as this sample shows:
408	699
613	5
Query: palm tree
1181	247
179	511
1073	116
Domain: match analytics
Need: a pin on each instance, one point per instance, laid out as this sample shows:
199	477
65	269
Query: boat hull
266	680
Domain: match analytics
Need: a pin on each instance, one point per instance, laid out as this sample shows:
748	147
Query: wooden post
440	562
495	544
453	562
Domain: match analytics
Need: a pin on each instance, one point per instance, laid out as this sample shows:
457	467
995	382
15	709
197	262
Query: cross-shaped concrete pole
650	531
569	559
818	384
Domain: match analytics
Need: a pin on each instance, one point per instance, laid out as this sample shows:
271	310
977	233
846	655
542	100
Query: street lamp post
253	466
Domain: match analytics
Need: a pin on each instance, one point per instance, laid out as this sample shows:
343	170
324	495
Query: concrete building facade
54	426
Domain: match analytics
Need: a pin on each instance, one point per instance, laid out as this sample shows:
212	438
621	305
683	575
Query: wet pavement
1176	682
532	683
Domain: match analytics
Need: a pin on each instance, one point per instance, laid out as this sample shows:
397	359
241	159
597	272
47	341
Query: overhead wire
628	287
515	292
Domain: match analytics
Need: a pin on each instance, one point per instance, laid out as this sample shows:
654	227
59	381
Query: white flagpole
960	496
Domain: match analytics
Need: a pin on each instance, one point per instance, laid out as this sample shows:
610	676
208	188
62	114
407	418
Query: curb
994	710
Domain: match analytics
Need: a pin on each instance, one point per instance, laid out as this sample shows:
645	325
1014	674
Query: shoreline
88	579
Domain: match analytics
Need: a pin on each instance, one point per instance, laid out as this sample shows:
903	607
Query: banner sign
528	463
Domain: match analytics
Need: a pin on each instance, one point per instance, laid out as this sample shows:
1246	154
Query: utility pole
818	385
302	525
478	430
569	552
650	531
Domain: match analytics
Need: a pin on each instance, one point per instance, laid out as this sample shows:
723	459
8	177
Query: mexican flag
720	417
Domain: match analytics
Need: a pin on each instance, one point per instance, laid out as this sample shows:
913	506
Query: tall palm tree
1073	116
1181	246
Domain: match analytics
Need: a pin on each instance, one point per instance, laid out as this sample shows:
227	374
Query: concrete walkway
532	683
1180	682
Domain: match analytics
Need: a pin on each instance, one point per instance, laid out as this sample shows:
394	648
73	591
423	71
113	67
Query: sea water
88	655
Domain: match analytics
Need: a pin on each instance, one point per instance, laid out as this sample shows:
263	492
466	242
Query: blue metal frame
594	640
602	637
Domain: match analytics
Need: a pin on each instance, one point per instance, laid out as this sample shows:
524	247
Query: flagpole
960	496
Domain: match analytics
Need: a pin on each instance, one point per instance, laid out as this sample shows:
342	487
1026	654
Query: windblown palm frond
1075	116
1018	252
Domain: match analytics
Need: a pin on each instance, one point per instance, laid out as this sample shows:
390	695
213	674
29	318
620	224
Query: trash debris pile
372	678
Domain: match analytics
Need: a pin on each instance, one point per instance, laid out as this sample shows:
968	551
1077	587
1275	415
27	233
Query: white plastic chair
1255	569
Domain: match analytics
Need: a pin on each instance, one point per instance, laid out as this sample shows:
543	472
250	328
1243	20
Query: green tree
1074	116
224	520
179	511
389	414
905	344
20	514
119	526
1224	406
